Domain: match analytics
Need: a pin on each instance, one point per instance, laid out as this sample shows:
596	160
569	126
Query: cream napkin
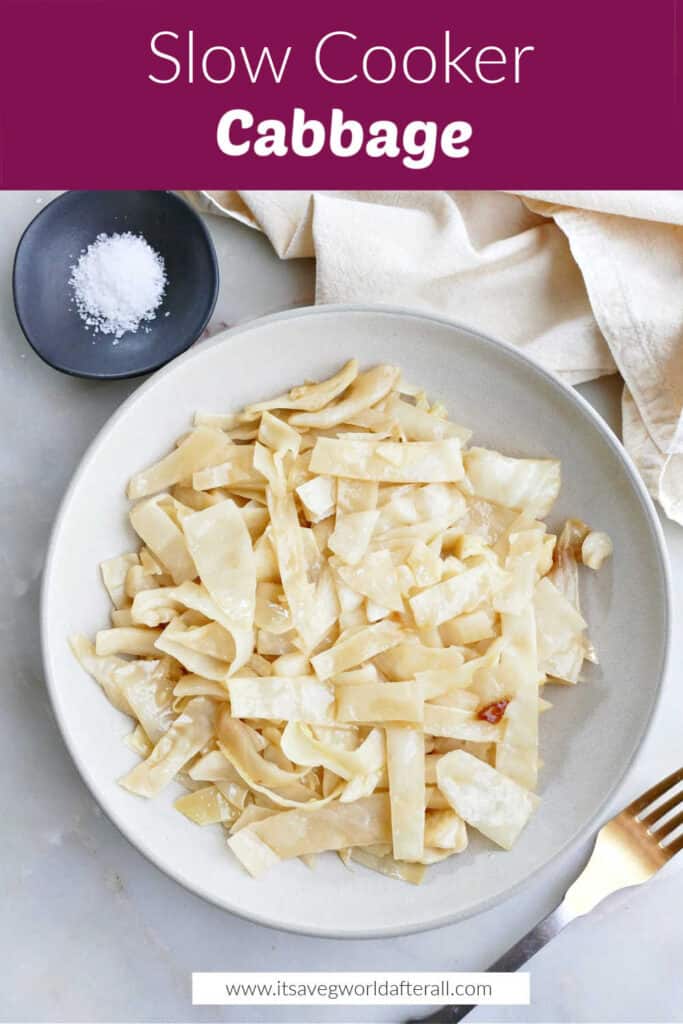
587	283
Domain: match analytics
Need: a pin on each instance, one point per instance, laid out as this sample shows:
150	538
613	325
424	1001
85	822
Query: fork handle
510	961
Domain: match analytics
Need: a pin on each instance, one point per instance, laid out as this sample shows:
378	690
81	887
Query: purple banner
492	94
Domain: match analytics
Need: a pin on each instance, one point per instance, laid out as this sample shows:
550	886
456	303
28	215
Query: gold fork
628	850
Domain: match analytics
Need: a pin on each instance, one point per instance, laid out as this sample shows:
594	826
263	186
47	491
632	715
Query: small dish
53	242
588	740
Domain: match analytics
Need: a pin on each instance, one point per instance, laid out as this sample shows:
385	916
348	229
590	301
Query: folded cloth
587	283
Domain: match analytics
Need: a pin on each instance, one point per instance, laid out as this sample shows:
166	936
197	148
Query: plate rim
227	337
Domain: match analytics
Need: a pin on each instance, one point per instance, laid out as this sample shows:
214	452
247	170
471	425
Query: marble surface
89	930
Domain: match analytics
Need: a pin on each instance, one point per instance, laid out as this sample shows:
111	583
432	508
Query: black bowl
53	242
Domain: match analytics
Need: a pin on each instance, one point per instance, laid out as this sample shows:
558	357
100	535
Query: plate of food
353	619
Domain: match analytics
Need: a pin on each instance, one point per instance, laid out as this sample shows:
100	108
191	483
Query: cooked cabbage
336	630
530	485
485	798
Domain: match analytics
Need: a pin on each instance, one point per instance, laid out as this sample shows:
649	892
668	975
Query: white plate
593	730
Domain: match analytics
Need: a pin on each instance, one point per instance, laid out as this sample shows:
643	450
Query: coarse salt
118	283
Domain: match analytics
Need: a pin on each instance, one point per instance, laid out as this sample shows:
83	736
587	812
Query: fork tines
659	812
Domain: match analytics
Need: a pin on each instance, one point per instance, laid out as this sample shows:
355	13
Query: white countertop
89	930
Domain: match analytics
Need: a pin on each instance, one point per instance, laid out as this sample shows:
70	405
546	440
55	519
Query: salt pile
118	283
